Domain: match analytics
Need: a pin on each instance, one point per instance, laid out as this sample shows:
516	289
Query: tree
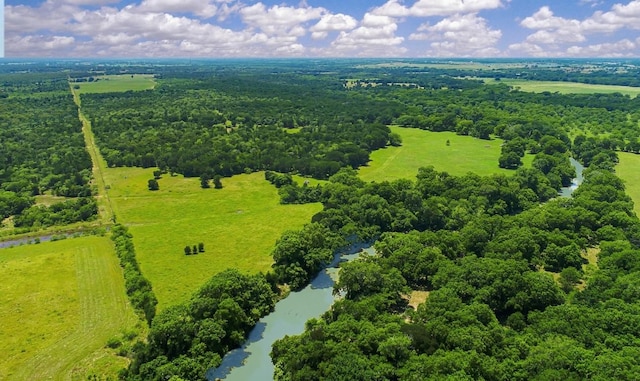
153	185
201	247
194	249
217	184
569	277
204	181
187	250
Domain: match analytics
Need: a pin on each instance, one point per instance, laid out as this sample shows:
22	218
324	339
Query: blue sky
322	28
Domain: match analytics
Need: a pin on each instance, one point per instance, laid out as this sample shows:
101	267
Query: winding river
252	360
575	183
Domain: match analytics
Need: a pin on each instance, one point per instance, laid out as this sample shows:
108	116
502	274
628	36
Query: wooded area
514	289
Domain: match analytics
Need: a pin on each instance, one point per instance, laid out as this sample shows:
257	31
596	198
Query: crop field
627	170
422	148
59	304
116	83
238	224
567	87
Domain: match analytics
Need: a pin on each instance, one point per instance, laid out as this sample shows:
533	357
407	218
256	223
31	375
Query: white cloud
199	8
426	8
623	48
38	46
376	36
49	16
279	20
331	23
553	34
460	36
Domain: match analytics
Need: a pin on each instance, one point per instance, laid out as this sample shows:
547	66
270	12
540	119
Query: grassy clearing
417	297
116	83
421	148
64	300
567	87
627	170
238	225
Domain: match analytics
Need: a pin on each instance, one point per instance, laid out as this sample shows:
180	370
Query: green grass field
116	83
59	304
567	87
627	170
238	225
421	148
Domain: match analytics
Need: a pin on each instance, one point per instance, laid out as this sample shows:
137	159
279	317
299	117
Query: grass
567	87
421	148
238	225
116	83
59	304
627	170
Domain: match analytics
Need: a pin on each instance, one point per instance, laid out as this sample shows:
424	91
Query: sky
321	28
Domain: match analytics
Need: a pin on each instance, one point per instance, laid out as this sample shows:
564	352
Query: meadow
627	170
116	83
566	87
422	148
238	224
59	305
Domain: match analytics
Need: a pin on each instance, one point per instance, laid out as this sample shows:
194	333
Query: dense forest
520	284
42	152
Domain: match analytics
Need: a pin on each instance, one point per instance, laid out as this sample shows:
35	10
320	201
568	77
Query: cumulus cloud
331	23
425	8
623	48
197	7
38	45
376	36
553	34
280	19
460	36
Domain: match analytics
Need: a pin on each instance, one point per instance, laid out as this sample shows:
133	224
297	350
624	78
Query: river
252	360
575	183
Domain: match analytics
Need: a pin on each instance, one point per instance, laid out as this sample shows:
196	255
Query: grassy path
627	170
100	312
105	209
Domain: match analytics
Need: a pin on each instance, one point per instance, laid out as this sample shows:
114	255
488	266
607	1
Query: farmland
628	171
116	83
64	301
568	87
422	148
238	225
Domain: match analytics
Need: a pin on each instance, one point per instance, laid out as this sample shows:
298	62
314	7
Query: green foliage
185	340
42	149
299	255
138	287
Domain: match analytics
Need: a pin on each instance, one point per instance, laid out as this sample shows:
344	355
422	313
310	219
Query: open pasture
238	224
116	83
59	304
567	87
627	170
422	148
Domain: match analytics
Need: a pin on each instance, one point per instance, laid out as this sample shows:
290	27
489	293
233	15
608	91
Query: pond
252	360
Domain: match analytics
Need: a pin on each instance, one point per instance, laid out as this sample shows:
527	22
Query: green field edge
104	312
105	208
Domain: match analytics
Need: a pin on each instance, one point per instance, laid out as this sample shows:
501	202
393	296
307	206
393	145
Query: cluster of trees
195	249
493	310
138	287
61	213
206	127
186	340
